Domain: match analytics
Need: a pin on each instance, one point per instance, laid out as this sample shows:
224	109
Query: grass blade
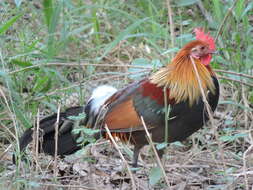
4	27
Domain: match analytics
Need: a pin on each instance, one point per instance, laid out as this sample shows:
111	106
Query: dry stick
56	140
244	83
9	131
246	124
73	64
121	156
224	20
244	166
172	33
36	143
234	73
172	39
208	108
240	174
69	186
5	151
156	154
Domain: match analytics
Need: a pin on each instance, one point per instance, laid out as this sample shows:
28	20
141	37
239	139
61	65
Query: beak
213	52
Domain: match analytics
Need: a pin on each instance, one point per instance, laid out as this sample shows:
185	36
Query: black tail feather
66	140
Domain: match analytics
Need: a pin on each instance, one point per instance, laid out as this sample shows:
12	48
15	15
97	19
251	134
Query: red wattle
206	59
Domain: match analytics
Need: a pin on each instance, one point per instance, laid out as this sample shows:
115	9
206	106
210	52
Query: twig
172	32
156	154
5	151
36	143
202	91
69	186
56	140
241	174
224	20
9	131
234	73
71	64
187	166
244	83
208	108
229	164
122	157
245	167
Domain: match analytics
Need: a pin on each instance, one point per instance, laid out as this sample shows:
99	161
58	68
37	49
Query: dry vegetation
54	53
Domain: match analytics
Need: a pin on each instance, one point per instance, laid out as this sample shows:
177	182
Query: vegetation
53	53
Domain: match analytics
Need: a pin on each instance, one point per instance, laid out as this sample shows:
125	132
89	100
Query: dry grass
216	157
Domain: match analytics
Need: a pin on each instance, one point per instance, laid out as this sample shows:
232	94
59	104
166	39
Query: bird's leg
137	149
160	153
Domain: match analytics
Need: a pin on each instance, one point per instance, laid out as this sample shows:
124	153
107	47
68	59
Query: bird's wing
126	107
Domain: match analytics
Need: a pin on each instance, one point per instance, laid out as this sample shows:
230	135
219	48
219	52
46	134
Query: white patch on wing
99	96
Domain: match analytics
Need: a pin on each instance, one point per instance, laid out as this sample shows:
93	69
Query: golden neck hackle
179	76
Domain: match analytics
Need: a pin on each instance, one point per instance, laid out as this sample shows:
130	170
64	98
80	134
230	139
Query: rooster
176	86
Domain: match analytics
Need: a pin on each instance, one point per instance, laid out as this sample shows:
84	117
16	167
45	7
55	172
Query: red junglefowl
122	110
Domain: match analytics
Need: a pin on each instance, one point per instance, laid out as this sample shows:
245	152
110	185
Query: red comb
200	35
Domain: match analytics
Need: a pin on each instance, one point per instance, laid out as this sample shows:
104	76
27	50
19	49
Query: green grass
36	33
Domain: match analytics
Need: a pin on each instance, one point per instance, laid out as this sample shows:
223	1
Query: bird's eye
203	48
194	49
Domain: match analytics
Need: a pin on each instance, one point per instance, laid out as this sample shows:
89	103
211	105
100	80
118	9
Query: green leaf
18	2
221	60
161	145
171	50
79	139
156	63
229	122
78	117
217	8
4	27
52	10
182	3
251	97
87	131
155	175
185	37
230	138
21	117
178	143
247	9
48	11
135	169
42	84
21	63
34	184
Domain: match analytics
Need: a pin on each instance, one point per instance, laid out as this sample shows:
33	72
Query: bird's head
202	48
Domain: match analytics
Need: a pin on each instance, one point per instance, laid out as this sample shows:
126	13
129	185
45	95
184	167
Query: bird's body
176	86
